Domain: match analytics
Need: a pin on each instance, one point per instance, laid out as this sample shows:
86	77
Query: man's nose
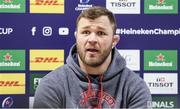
92	38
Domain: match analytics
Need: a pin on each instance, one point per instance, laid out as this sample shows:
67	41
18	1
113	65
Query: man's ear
116	39
75	34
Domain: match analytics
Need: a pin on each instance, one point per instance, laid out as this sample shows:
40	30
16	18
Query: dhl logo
46	60
10	83
46	6
47	2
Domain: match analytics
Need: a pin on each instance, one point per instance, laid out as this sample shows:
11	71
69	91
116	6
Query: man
95	75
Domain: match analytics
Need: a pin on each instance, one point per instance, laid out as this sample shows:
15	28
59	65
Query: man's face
94	40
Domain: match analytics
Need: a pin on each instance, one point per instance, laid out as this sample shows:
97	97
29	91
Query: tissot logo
162	83
46	6
123	6
161	6
160	60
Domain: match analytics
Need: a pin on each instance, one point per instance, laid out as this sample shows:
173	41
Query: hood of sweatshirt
116	66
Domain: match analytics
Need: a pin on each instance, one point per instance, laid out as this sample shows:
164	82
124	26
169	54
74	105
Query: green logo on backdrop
163	102
34	81
12	6
160	60
161	6
12	59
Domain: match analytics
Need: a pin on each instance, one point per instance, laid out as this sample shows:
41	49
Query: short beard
99	61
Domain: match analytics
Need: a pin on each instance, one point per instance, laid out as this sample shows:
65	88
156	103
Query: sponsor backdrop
36	35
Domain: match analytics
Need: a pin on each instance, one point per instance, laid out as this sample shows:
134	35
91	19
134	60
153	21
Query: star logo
161	2
7	102
7	1
7	57
160	57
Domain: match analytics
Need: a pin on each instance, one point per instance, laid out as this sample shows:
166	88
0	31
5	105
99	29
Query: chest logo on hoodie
96	99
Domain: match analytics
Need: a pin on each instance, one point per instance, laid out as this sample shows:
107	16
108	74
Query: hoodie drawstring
100	91
89	89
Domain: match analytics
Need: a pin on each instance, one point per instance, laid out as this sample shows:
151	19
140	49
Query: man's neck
95	70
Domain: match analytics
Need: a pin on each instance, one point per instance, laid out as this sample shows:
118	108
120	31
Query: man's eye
85	32
100	33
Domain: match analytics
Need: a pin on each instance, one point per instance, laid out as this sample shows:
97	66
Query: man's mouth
91	50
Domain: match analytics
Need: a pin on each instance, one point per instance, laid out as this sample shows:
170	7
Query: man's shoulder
131	75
